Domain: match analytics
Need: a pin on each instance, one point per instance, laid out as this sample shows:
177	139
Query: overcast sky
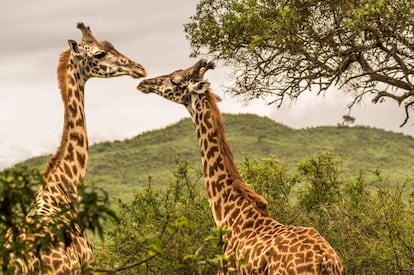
34	33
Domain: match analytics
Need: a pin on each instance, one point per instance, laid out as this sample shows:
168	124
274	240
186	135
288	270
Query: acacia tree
280	49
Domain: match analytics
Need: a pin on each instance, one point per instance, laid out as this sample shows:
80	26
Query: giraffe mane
61	72
258	201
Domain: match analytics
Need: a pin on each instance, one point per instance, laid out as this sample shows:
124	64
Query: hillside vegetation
326	177
123	167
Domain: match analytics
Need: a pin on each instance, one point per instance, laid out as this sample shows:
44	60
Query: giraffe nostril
124	60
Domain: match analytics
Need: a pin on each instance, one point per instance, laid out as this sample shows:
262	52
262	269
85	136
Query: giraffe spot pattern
69	153
80	122
78	138
73	108
77	94
68	170
71	81
81	159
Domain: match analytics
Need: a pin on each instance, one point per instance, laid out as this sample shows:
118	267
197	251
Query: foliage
167	223
366	218
280	49
17	191
374	229
274	181
95	209
370	224
321	174
122	168
18	187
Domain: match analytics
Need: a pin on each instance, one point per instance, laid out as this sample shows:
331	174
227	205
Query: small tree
347	119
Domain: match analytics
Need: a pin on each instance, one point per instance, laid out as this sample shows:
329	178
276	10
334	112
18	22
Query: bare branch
407	114
125	267
383	78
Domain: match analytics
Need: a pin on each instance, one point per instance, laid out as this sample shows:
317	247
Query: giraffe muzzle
138	71
144	87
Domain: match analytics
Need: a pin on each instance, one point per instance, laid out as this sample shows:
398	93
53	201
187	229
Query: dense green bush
368	219
162	230
370	223
18	187
17	191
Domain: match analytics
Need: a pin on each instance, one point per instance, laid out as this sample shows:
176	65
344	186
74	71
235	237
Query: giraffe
56	205
268	246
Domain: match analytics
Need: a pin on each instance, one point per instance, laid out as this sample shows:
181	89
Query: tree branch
125	267
381	77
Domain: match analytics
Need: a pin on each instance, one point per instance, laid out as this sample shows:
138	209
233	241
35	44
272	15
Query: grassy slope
122	167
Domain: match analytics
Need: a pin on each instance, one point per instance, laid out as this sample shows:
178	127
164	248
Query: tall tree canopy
280	49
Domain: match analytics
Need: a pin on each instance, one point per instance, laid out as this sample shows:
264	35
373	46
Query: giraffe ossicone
268	246
54	240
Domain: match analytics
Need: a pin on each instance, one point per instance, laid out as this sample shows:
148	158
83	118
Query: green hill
122	167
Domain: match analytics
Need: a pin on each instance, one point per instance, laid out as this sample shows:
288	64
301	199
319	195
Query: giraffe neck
223	182
67	168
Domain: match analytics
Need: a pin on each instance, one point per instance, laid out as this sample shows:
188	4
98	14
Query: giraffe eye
99	55
176	80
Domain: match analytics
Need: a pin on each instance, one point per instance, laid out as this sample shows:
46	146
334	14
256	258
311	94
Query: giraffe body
268	246
56	205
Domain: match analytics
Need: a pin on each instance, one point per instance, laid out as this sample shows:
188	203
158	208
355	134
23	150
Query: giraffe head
182	85
100	58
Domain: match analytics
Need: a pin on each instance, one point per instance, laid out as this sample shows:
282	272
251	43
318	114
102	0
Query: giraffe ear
200	87
73	45
218	98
